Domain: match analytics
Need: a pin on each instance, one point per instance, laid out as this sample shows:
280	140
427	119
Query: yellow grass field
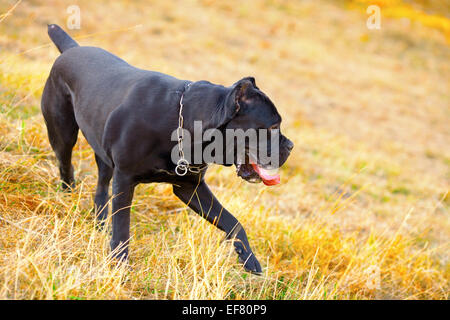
363	208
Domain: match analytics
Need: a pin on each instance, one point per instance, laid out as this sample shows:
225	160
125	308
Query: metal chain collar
182	164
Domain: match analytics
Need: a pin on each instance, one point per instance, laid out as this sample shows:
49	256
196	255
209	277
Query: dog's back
87	84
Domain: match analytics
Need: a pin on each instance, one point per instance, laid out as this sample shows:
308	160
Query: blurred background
368	110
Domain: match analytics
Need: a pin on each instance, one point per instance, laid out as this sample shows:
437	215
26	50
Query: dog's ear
242	91
251	79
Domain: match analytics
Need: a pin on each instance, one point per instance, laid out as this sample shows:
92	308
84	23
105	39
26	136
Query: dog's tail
60	38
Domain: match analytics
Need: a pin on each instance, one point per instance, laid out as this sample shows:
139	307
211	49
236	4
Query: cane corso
128	114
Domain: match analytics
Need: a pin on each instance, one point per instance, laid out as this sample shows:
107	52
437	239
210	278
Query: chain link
183	165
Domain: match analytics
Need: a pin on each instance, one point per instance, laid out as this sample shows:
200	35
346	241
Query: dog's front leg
200	199
123	188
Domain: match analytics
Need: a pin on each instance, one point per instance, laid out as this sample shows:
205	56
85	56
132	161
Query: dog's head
247	123
254	114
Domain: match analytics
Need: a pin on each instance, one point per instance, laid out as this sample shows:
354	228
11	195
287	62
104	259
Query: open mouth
254	173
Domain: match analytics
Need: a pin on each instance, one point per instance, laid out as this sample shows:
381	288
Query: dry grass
363	208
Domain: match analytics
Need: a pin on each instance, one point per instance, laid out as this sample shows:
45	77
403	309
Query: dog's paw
119	251
251	264
67	187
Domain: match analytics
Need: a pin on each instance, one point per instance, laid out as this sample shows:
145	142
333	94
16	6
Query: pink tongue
267	179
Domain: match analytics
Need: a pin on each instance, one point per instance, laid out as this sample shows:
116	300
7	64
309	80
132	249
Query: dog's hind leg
62	129
101	194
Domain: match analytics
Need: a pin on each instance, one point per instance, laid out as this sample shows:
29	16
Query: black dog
127	116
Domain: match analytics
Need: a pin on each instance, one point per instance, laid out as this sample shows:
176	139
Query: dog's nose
289	145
